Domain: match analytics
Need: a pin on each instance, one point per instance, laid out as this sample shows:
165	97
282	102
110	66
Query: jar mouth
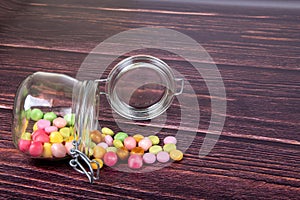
141	87
85	105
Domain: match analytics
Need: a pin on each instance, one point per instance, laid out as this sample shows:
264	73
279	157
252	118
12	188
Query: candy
118	143
129	143
138	137
36	149
96	136
47	153
137	150
92	145
65	133
43	123
70	118
94	165
50	129
145	143
135	161
122	153
42	137
149	158
99	152
110	159
113	149
59	122
109	140
69	146
58	150
56	137
38	132
155	149
50	116
120	136
103	144
176	155
24	145
169	147
36	114
35	128
163	157
27	114
154	139
26	136
107	131
170	139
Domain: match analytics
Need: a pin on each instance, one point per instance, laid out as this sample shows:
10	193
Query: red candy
36	149
24	145
38	132
135	161
42	138
110	159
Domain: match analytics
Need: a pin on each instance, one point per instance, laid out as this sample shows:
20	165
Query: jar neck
85	106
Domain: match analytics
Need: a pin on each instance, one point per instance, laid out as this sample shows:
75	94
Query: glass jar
54	114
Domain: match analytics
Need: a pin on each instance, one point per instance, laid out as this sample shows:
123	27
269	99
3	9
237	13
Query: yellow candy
107	131
56	137
154	139
138	137
47	151
94	165
118	143
176	155
71	138
35	127
65	133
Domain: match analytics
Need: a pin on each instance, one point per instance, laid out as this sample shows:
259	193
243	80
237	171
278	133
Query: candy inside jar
56	115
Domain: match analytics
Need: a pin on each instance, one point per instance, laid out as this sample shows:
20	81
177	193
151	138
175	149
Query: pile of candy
109	148
52	137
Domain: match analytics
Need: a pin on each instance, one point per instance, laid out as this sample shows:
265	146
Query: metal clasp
79	156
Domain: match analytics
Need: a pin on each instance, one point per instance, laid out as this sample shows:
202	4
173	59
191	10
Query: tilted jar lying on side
54	114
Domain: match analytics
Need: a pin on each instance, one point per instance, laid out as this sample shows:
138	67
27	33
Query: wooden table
256	47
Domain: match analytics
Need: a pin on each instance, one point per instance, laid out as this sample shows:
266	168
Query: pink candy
170	139
43	123
129	143
110	158
68	147
58	150
109	140
24	145
149	158
163	157
42	137
36	149
145	143
59	122
51	129
103	144
135	161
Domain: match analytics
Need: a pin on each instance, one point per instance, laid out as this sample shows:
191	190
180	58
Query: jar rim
158	68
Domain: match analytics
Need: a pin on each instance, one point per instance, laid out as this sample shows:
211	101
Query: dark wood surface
256	48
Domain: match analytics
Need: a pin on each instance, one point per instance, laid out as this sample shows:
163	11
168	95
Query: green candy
70	118
155	149
169	147
120	136
26	136
50	116
154	139
36	114
65	132
27	114
113	149
118	143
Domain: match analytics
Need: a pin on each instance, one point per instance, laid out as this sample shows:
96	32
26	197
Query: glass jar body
47	112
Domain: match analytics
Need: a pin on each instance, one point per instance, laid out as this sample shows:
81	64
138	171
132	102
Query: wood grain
257	53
